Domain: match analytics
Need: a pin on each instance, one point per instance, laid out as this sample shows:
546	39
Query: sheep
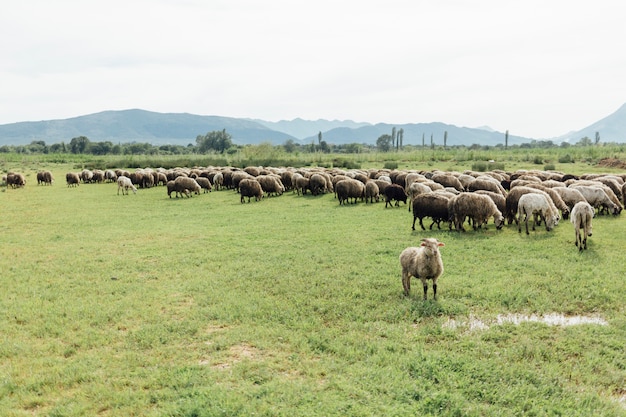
86	175
205	184
555	196
448	180
317	184
486	184
433	205
110	175
570	196
532	204
582	213
271	184
394	192
512	201
185	183
218	181
15	180
72	179
423	262
597	197
301	184
349	188
250	187
496	197
44	178
124	183
416	188
477	207
372	192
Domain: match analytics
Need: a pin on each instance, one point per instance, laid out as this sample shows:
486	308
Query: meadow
142	305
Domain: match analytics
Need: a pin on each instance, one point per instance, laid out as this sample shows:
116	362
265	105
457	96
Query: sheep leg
414	218
406	282
434	291
425	284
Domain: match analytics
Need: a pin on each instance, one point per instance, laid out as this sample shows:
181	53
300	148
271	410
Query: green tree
597	138
383	143
79	144
218	141
290	146
584	141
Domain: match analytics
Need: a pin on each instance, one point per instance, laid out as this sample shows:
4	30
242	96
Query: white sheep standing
423	262
581	216
124	183
533	204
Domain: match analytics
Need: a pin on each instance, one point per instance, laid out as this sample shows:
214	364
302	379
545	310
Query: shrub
566	159
549	167
391	165
538	160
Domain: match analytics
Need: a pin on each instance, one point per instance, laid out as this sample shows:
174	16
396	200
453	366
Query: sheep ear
440	244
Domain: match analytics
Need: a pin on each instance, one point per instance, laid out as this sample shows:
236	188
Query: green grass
292	306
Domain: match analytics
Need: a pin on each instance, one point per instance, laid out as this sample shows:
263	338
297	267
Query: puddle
552	319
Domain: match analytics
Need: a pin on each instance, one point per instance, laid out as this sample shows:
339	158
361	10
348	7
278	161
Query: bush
538	160
391	165
549	167
566	159
482	166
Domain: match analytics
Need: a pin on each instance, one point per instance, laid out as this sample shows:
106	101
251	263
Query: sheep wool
423	262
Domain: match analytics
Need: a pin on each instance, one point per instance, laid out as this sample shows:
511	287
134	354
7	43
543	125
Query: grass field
148	306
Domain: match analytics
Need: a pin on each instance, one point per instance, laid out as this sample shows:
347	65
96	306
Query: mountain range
123	126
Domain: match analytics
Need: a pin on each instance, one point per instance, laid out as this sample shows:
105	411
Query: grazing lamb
533	204
582	213
423	262
478	207
394	192
433	205
250	187
124	183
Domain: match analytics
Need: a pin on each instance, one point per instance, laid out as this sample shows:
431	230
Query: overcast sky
536	68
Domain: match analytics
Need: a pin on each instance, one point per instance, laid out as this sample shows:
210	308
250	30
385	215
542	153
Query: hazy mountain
611	129
300	128
138	126
413	133
183	128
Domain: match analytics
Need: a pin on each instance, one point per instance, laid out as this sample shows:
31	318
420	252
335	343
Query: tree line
220	142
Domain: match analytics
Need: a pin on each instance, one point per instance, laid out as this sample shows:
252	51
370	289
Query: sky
539	69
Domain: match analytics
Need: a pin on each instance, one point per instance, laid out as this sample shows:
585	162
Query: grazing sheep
416	188
218	181
44	178
349	188
86	175
250	187
124	183
302	184
598	198
186	183
555	196
534	204
394	192
433	205
372	192
478	207
317	184
582	213
271	184
15	180
110	175
512	201
448	180
496	197
72	179
205	184
423	262
570	196
486	184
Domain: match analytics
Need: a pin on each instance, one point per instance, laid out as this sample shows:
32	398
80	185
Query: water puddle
552	319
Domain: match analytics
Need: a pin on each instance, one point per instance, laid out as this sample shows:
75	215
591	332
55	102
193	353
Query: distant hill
300	128
414	132
611	129
138	126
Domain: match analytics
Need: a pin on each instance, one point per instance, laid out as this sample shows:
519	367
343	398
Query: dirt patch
236	354
612	163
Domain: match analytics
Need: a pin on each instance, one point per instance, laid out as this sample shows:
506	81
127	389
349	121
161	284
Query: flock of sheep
455	198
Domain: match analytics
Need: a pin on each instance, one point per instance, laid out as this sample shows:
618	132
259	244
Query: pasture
149	306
